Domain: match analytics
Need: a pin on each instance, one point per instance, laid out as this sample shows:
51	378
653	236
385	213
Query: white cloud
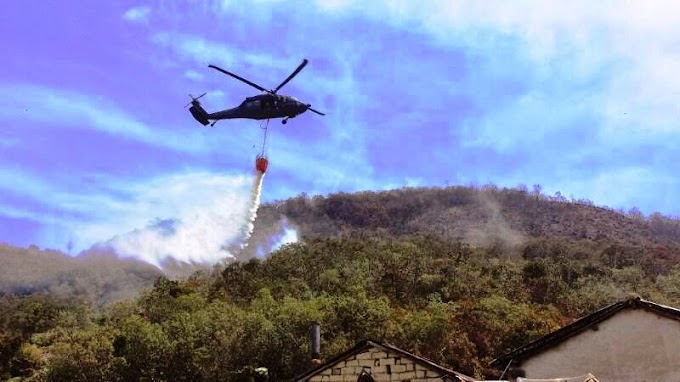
20	182
137	14
621	58
203	51
334	5
22	213
216	93
76	110
526	121
633	47
194	75
47	197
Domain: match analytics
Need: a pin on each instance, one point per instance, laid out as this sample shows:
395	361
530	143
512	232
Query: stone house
631	340
372	361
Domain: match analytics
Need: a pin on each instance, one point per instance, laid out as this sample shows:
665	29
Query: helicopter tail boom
199	113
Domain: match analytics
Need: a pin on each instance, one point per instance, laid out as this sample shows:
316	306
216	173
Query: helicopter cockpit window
250	104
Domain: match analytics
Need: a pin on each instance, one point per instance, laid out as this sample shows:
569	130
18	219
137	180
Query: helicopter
267	105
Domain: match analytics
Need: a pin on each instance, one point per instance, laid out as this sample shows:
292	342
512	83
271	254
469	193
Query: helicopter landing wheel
284	121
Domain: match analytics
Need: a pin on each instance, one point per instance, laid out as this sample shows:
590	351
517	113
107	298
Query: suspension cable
264	140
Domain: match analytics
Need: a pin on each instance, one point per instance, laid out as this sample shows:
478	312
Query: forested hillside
459	275
478	215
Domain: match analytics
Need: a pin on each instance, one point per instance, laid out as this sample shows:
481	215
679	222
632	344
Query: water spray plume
201	219
261	164
197	218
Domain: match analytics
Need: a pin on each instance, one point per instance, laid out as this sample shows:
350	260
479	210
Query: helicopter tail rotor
194	100
197	111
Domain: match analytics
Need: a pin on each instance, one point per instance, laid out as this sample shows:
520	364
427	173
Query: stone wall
382	366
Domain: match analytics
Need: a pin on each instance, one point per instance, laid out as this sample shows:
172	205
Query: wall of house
381	365
633	345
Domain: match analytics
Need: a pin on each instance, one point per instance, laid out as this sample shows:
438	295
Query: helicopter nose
303	107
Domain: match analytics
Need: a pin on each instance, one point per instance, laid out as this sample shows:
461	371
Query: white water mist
253	207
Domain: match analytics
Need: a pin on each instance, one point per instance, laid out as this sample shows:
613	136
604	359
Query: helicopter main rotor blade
256	86
315	111
295	73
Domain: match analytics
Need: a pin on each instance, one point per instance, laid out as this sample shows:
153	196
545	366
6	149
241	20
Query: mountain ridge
461	211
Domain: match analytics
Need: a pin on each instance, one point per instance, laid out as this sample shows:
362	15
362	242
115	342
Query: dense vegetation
459	275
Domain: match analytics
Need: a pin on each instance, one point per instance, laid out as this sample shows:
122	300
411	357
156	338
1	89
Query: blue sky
95	145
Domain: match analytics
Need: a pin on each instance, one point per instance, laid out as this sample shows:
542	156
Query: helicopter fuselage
264	106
